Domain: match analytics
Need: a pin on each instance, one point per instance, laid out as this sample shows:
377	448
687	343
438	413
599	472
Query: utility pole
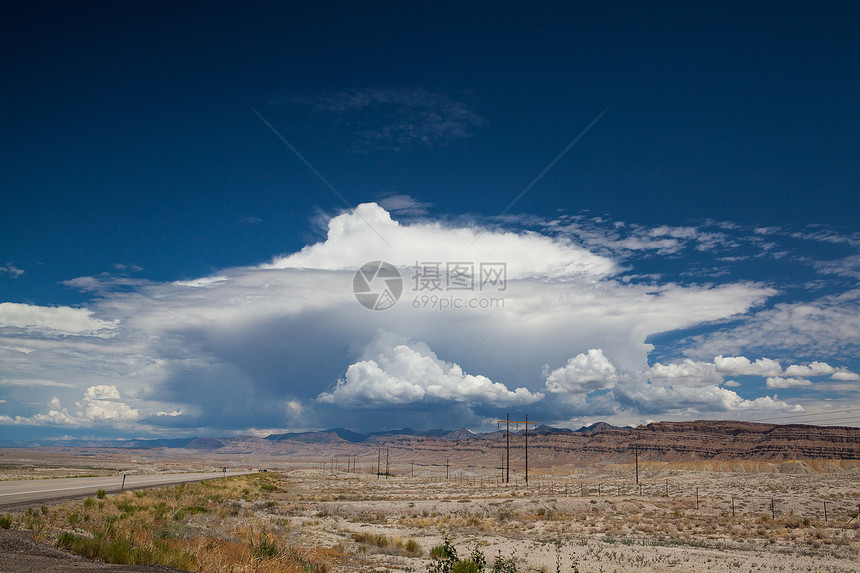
507	448
446	467
507	422
636	453
527	449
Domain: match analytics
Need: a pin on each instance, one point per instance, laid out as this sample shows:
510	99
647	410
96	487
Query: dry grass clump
394	545
188	526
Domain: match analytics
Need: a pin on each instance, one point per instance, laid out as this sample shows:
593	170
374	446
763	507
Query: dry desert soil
686	517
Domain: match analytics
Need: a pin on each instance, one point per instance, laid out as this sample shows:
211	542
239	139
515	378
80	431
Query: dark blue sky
131	153
128	135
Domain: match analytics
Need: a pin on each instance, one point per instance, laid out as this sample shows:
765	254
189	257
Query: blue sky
187	195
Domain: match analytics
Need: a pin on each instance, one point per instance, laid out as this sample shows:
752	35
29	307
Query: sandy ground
696	516
561	517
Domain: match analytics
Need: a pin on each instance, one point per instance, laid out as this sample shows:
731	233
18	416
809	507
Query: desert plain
380	510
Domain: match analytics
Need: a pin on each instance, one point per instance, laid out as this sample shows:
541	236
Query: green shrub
123	552
5	521
100	493
376	539
412	547
466	567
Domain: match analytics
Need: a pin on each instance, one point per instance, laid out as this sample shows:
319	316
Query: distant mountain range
598	443
309	437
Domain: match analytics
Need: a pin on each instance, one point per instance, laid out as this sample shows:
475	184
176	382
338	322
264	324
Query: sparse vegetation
310	521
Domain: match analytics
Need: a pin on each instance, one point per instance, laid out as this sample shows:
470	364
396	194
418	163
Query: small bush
264	547
465	567
5	521
376	539
123	552
412	547
100	493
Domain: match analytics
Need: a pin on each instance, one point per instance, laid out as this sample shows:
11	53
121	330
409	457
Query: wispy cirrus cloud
11	270
393	119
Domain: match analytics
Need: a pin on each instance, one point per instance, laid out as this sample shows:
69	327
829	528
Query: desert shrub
5	521
376	539
412	547
124	552
100	493
466	567
445	560
264	547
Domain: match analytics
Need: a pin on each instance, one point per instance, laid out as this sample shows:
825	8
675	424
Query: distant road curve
21	492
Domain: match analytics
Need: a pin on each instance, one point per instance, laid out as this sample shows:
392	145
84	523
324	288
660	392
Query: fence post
772	511
733	506
697	498
825	511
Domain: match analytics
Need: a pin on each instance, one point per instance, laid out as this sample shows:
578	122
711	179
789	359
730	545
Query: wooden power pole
636	454
507	422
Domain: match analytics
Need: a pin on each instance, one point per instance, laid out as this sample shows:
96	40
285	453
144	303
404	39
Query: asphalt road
20	492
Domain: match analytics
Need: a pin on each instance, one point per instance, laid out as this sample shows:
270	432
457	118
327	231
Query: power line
806	415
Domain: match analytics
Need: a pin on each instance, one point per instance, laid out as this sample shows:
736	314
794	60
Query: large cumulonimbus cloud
399	373
287	345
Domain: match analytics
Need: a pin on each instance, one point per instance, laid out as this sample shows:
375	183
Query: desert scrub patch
376	539
124	552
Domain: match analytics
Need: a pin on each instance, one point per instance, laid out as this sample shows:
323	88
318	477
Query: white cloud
826	326
696	400
102	392
731	384
12	270
780	382
369	233
583	373
266	346
61	319
847	267
742	366
31	382
686	373
845	375
404	204
99	404
405	374
103	403
814	369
